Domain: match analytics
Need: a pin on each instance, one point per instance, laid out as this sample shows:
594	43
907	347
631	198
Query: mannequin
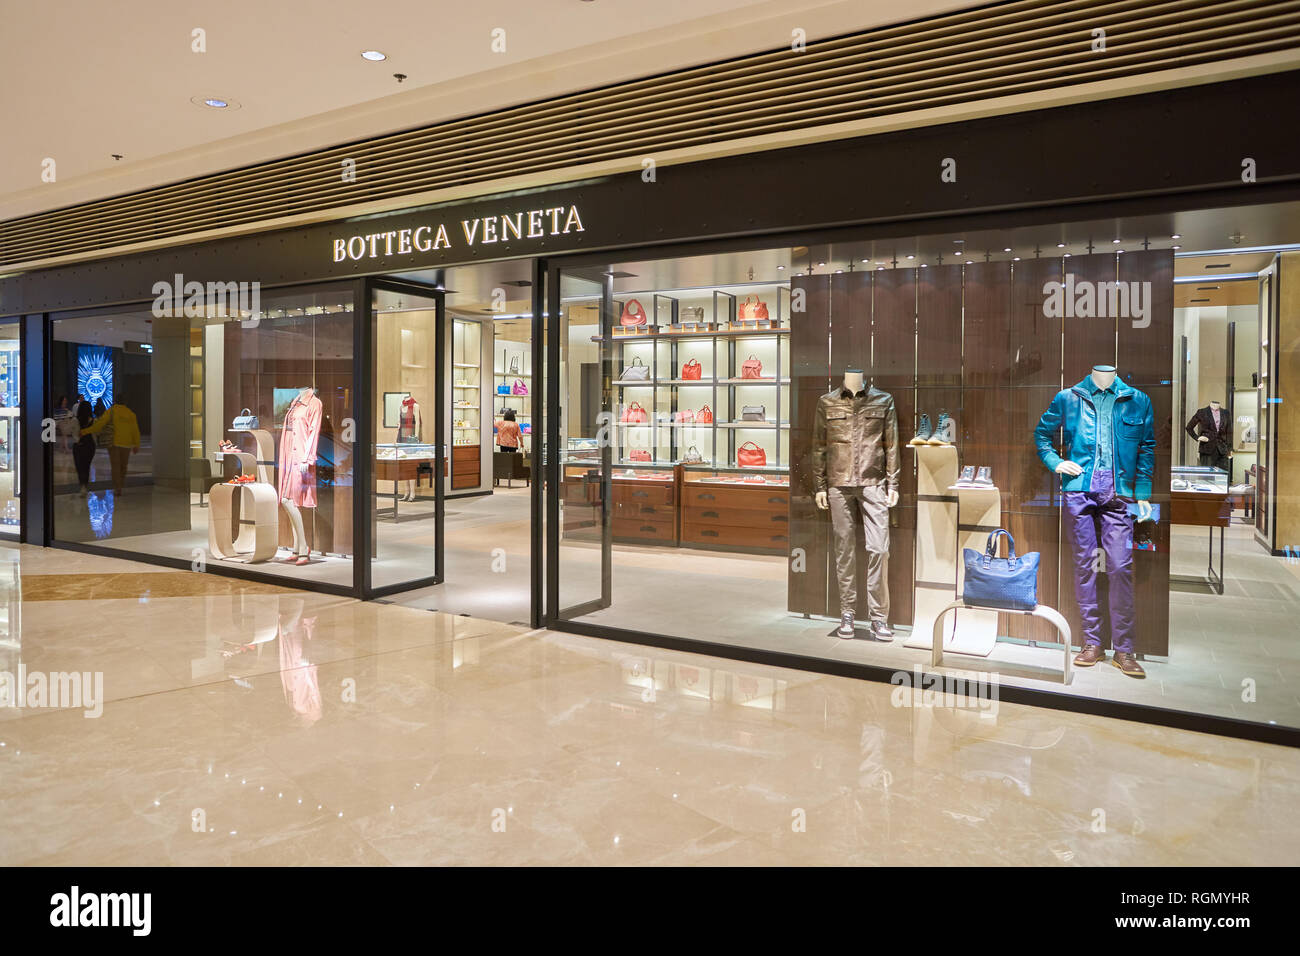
410	425
298	441
855	474
1213	433
1106	475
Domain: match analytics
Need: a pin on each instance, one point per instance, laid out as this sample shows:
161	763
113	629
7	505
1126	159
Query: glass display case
1199	479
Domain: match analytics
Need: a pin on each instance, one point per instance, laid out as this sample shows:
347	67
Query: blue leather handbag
1008	584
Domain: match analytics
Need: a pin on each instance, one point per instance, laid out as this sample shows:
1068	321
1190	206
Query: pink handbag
751	368
638	454
685	416
519	388
634	414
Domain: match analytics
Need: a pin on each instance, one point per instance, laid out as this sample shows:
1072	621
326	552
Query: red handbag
692	371
704	416
750	457
634	414
757	309
685	415
751	368
638	454
632	317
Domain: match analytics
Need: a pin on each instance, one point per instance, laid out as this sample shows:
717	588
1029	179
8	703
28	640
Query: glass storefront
10	436
830	451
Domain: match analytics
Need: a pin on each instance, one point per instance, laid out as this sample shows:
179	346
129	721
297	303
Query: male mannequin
1109	432
1213	432
855	475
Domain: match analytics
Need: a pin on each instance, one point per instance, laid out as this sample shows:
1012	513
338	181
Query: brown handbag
753	308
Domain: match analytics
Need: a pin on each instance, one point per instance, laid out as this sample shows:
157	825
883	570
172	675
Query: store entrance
476	505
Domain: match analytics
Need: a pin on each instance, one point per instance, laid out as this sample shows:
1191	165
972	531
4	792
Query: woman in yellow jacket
126	439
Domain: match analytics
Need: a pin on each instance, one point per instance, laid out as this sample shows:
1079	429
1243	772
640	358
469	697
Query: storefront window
812	451
10	437
217	436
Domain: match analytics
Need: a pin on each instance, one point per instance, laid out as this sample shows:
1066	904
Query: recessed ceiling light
1116	241
970	262
214	102
821	263
924	266
1119	250
1067	255
1007	249
1016	259
373	56
1177	247
1060	245
911	257
1175	236
780	268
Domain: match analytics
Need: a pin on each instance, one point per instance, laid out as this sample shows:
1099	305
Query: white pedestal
259	526
934	563
979	511
265	458
1051	615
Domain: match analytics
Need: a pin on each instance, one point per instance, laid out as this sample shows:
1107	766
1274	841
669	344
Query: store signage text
526	224
1083	299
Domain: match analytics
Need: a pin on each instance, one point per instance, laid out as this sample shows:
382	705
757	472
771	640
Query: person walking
125	440
507	429
83	447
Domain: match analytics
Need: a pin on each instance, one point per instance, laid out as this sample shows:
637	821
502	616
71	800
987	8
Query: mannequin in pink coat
298	441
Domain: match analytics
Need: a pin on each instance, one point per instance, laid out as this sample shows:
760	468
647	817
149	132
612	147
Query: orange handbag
692	371
751	368
750	457
638	454
634	414
756	309
704	416
632	317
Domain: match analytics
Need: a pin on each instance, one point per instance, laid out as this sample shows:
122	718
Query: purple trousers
1101	535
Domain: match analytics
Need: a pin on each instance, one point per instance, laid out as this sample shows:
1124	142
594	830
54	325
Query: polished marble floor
270	727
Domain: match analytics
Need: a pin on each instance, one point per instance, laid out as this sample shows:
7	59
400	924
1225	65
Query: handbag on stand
638	371
751	368
753	308
634	414
1009	584
245	420
633	315
750	455
753	413
704	416
692	371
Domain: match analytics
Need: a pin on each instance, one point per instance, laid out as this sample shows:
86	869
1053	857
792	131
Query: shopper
83	449
508	435
125	441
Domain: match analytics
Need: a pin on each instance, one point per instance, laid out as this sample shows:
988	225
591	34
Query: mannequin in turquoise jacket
1132	433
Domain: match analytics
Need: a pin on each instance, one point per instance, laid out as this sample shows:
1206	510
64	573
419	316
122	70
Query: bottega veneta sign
525	224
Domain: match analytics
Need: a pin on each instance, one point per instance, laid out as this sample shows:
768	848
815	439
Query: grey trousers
869	505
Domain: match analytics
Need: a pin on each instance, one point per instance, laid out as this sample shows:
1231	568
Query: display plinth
256	539
935	554
1051	615
265	459
979	512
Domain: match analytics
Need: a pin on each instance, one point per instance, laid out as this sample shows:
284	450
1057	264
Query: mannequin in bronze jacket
1212	428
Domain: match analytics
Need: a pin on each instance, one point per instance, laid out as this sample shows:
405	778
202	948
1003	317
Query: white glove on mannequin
1202	437
1072	468
823	503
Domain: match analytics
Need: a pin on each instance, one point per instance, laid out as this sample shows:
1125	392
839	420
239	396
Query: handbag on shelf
1009	584
750	455
514	365
692	456
690	313
519	388
634	414
638	371
751	368
503	389
685	416
753	308
245	420
633	315
704	416
753	413
692	371
638	454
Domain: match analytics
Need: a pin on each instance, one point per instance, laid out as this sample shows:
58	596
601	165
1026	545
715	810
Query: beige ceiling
81	80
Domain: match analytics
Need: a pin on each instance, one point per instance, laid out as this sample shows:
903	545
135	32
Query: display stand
264	460
935	556
979	513
1051	615
258	537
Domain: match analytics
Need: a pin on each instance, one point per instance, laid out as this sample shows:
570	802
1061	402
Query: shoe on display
1178	485
1128	665
983	477
967	477
882	630
945	433
1091	654
846	629
923	431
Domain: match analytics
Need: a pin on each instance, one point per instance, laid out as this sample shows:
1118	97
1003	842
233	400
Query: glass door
406	432
582	434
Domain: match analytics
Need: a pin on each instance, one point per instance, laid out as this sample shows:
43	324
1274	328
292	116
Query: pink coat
298	443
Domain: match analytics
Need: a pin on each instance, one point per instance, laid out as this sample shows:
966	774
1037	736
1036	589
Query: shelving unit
196	398
466	419
508	355
721	350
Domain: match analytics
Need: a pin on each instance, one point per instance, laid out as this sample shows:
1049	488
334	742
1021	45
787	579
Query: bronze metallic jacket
855	440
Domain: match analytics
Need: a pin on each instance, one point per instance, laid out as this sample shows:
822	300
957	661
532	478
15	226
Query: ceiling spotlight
1175	236
1007	249
780	268
838	271
1119	250
1067	255
214	102
880	268
911	257
1116	241
1177	247
924	265
1060	245
821	263
374	56
970	262
1015	259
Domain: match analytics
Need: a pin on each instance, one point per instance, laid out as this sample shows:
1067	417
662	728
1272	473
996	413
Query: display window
1040	455
220	436
10	436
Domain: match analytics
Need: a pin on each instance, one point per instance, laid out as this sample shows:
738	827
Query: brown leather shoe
1091	654
1128	665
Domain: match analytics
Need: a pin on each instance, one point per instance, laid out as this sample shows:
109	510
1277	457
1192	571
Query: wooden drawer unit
643	493
735	517
656	530
466	467
644	511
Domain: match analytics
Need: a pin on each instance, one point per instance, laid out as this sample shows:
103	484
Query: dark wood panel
986	335
1089	340
1036	532
938	314
893	329
1035	338
902	535
849	322
984	434
808	527
1146	355
1030	485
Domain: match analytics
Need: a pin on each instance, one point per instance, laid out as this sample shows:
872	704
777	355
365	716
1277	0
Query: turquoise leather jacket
1133	432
